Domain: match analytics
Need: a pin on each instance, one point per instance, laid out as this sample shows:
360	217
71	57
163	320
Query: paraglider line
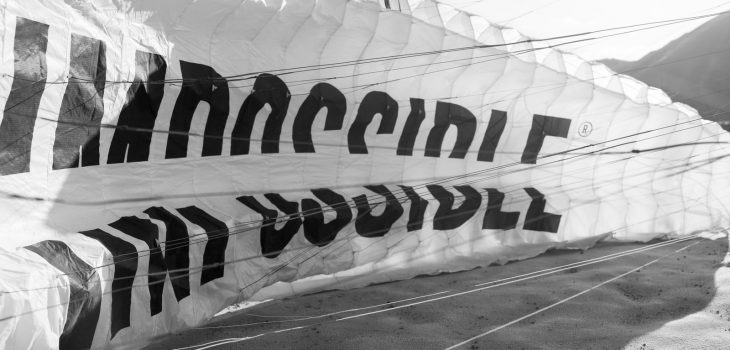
449	296
390	303
562	301
292	70
192	271
80	124
305	318
305	213
344	239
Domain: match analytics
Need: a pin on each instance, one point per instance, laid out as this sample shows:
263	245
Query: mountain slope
694	69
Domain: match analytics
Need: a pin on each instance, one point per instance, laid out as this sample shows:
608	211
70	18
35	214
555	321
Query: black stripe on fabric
410	129
273	240
177	256
322	95
448	114
537	219
214	255
417	211
133	135
495	128
82	106
316	231
495	218
375	102
146	231
267	89
202	84
125	268
369	225
543	126
448	218
21	107
85	298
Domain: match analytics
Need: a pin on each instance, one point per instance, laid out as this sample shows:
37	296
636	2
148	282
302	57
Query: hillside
694	69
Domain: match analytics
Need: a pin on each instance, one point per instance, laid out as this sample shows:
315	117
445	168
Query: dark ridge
693	69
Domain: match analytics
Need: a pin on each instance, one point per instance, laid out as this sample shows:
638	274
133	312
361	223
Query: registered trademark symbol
585	129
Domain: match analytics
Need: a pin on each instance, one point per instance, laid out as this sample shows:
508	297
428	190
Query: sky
548	18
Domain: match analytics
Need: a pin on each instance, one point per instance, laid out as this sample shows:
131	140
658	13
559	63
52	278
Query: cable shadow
610	317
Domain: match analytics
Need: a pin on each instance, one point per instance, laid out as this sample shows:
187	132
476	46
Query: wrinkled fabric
163	160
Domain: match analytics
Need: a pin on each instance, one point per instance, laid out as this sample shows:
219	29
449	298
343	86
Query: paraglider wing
162	161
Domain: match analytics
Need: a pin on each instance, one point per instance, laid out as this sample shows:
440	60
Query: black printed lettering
368	225
375	102
84	305
82	106
266	89
451	114
543	126
449	218
274	241
133	134
322	95
21	107
316	231
201	84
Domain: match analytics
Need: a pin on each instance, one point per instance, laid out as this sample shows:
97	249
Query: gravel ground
681	301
